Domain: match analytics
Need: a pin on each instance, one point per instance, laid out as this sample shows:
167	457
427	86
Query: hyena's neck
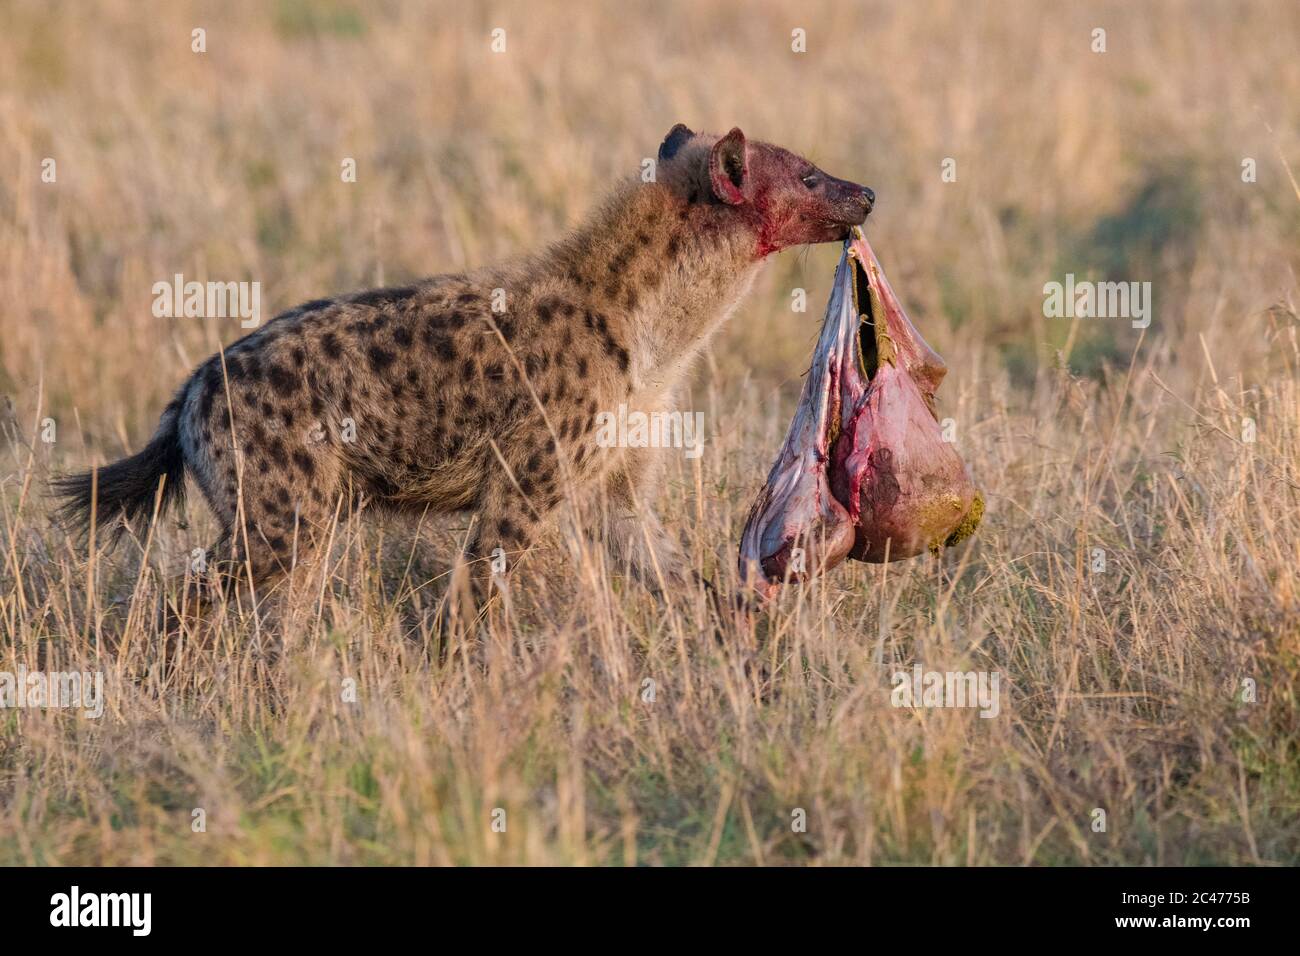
670	269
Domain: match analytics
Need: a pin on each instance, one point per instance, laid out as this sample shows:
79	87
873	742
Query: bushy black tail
127	489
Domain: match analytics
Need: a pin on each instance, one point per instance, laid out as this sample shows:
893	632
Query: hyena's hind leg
276	494
267	551
281	526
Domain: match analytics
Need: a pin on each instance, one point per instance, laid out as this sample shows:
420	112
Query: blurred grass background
1124	165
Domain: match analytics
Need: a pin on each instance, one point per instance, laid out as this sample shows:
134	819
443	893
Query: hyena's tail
127	489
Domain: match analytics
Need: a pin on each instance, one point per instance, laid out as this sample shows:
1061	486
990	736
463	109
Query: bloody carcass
865	471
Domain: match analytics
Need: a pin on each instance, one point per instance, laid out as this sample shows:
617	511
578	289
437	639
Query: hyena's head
781	197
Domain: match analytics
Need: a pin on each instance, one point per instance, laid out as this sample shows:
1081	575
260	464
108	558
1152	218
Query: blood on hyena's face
782	197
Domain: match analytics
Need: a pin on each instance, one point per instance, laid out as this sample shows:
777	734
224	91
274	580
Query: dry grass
1122	690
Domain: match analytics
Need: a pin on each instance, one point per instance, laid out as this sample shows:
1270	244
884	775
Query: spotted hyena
481	391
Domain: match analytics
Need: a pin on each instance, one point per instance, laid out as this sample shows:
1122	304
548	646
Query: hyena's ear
675	140
729	167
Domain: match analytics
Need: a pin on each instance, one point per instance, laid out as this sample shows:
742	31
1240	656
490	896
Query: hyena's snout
852	203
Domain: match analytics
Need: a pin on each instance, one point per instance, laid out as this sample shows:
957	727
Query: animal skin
865	471
454	405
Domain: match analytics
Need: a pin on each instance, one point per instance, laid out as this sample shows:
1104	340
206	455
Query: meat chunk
865	471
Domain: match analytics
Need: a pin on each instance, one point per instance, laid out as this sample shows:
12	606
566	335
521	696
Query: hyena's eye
810	180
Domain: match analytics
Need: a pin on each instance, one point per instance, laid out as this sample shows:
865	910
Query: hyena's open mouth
866	470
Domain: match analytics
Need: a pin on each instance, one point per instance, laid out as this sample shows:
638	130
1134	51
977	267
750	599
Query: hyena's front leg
634	536
519	493
638	542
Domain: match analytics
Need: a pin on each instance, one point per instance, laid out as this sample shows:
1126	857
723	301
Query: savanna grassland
1169	452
